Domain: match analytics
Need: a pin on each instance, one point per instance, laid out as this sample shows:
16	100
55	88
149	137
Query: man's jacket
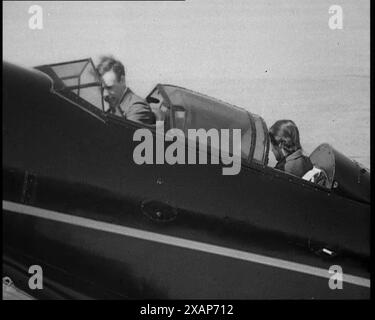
134	108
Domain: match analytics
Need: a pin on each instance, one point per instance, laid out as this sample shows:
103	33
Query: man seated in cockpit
122	101
286	147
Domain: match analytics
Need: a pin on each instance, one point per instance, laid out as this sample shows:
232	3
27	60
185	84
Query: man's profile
122	101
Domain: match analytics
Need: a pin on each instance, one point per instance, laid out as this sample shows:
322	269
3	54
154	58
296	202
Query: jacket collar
295	155
127	91
117	109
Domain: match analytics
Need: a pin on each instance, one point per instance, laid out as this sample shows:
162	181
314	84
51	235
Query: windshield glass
77	77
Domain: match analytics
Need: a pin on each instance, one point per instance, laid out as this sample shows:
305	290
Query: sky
276	58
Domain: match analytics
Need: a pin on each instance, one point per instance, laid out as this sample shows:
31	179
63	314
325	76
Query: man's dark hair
108	63
285	134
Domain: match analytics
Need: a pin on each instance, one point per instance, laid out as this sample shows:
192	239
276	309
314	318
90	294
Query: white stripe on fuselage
178	242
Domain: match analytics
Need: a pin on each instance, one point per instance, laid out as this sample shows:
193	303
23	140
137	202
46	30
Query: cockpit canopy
185	109
180	108
345	176
77	80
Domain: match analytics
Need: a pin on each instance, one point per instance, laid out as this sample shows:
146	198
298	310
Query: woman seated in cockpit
286	147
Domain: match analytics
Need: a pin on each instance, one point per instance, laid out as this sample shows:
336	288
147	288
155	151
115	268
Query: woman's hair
285	134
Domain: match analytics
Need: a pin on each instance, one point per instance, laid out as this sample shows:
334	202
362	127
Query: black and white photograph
186	150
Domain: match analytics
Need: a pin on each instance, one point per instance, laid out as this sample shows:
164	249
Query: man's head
112	73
